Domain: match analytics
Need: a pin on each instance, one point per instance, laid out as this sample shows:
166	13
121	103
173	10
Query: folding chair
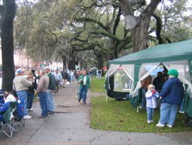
19	114
7	127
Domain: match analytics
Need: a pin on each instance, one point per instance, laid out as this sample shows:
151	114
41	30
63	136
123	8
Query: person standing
65	77
58	78
21	85
84	82
159	81
42	93
171	98
50	90
144	84
151	102
30	92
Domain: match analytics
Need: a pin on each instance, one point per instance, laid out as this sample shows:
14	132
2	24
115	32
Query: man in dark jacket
65	77
50	91
171	98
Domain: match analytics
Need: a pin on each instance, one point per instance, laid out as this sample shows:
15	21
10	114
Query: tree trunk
72	64
139	30
100	61
64	62
140	34
8	15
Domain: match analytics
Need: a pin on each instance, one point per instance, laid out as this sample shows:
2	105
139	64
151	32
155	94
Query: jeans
23	95
30	100
168	113
50	101
43	103
83	93
150	113
181	106
57	86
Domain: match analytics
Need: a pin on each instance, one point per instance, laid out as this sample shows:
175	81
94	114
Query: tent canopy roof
160	53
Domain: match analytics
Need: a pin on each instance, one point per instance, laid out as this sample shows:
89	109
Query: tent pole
137	109
106	98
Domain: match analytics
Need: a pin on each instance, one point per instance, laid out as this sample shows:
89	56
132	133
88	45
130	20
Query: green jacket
80	81
52	82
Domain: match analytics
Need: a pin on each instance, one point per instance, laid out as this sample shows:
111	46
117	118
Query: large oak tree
8	10
138	24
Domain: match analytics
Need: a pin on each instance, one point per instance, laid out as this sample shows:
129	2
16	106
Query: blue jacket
172	91
3	108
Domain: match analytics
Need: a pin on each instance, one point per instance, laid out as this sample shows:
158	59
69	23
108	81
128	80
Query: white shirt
84	80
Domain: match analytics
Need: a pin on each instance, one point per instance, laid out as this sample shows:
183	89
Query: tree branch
94	21
151	8
158	28
56	39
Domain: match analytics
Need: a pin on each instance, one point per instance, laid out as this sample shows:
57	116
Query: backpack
19	112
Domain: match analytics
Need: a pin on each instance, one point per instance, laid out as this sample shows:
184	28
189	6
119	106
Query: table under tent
135	67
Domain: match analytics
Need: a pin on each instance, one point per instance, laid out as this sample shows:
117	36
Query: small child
151	103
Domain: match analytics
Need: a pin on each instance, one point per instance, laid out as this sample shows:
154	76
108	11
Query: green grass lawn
121	116
97	85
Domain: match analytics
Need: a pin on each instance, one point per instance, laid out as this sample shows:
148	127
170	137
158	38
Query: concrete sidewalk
70	126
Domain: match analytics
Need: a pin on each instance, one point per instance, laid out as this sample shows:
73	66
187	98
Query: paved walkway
70	126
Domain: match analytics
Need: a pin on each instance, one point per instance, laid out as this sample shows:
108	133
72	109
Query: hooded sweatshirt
172	91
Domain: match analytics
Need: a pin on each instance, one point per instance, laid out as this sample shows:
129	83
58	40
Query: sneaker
79	99
149	121
160	125
181	112
27	117
170	126
30	109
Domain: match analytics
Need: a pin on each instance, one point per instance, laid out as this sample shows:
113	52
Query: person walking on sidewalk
50	91
58	78
21	85
84	81
65	77
42	93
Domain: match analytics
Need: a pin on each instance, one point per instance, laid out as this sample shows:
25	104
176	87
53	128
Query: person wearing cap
21	85
171	98
50	91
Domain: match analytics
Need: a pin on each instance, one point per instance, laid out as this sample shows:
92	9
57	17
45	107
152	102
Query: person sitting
8	98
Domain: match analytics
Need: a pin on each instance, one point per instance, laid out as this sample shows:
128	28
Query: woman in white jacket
151	102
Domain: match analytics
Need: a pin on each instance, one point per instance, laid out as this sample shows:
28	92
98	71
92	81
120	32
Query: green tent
160	53
141	64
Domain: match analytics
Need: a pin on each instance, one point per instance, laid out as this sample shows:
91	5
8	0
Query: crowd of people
166	92
44	84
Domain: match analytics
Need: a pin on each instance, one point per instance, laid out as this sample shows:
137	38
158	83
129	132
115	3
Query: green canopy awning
160	53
